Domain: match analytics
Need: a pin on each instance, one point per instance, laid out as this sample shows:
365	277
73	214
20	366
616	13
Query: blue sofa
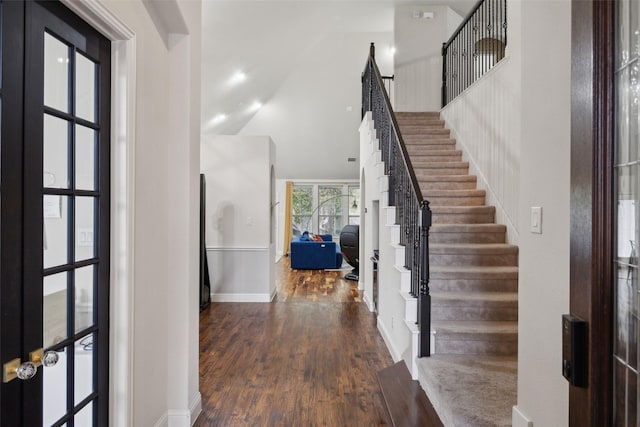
312	255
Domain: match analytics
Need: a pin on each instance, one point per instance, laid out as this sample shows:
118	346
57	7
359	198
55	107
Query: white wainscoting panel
241	274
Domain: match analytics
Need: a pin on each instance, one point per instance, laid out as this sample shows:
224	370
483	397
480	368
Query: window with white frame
325	208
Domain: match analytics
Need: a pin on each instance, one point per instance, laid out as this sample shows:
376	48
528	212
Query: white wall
238	174
485	121
164	365
314	115
418	60
514	127
544	181
391	307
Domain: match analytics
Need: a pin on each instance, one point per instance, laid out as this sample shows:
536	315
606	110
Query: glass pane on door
55	389
55	297
627	215
56	73
85	88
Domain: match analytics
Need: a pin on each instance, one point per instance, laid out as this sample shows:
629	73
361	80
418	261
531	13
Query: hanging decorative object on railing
474	48
412	210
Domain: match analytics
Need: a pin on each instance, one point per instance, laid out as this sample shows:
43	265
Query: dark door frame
21	261
591	243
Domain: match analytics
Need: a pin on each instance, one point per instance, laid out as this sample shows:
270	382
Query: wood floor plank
406	402
308	359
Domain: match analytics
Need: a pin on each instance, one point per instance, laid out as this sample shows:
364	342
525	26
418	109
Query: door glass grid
627	215
70	223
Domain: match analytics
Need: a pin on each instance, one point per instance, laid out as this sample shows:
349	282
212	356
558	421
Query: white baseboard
182	418
163	421
179	418
518	419
242	297
395	354
369	303
195	407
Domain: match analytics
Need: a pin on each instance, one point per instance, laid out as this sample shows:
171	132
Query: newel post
424	298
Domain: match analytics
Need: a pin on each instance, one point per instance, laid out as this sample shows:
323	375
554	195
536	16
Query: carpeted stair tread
425	125
478	391
449	178
418	140
425	131
462	209
472	248
475	298
473	272
453	193
474	330
418	114
427	164
468	228
422	151
455	197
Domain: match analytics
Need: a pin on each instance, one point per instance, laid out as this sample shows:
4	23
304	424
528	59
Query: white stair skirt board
399	254
411	359
519	419
390	215
410	307
396	355
405	278
395	234
384	182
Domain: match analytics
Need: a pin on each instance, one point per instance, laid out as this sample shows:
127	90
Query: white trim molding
396	355
123	104
243	297
518	419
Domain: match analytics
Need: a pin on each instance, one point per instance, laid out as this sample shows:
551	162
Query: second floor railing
413	214
474	48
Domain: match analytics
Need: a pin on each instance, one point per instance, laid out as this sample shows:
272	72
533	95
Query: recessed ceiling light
238	77
219	118
255	106
392	50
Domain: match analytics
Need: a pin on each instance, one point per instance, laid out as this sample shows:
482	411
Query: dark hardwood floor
310	358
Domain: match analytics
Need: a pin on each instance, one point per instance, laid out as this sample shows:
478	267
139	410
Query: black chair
350	248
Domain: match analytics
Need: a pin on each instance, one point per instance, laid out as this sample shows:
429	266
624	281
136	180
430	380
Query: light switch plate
536	219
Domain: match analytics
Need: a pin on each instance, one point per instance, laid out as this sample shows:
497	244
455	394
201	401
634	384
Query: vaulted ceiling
288	55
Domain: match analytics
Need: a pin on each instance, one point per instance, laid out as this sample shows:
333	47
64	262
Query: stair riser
416	141
473	259
464	346
463	218
421	127
466	237
418	114
473	285
422	171
426	147
419	121
426	157
425	132
457	312
456	201
447	185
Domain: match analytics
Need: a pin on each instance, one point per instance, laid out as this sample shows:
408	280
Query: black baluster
424	299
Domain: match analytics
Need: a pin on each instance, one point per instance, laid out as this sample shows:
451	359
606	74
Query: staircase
473	283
